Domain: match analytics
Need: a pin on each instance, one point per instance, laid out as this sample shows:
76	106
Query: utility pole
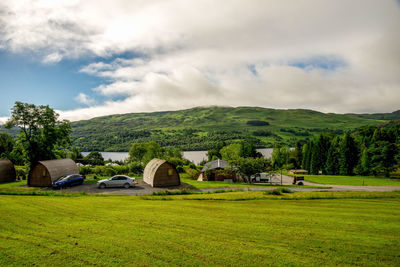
281	176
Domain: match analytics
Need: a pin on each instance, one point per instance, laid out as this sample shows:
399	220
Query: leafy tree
41	131
75	154
137	151
246	167
144	152
6	145
214	153
232	151
348	155
280	156
95	158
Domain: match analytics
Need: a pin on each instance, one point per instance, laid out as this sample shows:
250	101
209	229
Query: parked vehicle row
77	179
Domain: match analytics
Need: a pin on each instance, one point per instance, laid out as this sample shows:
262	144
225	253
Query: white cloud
84	99
52	58
217	53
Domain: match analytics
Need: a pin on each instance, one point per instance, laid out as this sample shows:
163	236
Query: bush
192	173
21	172
130	169
278	192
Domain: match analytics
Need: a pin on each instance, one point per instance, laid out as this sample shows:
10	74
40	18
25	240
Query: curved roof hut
7	171
160	173
47	171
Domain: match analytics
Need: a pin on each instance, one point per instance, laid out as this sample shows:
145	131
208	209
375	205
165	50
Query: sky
92	58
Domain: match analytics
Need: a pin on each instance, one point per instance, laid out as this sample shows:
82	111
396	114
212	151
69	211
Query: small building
47	171
7	171
212	171
298	172
161	173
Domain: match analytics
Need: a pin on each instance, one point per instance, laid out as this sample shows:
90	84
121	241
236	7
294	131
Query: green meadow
226	229
352	180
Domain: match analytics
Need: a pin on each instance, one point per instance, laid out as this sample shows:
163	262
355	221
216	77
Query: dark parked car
68	180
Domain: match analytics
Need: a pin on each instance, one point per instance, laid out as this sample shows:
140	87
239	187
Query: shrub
278	192
167	192
286	190
21	172
192	173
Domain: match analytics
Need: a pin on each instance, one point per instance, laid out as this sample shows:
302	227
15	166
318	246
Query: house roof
216	164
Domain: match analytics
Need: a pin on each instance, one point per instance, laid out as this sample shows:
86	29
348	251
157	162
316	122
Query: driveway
141	188
144	189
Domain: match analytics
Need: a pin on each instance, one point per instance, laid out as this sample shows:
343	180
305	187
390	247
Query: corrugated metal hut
160	173
45	172
7	171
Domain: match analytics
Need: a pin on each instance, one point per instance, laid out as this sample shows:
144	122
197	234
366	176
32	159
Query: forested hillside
202	128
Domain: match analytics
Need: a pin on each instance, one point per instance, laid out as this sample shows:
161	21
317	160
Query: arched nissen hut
46	171
7	171
160	173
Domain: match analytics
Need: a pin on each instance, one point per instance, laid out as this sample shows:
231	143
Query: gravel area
141	188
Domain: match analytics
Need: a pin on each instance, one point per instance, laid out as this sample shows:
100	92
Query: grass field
352	180
353	229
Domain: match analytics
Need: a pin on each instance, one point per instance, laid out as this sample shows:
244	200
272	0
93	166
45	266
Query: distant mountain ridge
202	128
395	115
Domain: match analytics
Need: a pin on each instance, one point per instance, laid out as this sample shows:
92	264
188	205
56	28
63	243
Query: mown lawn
352	180
218	184
120	231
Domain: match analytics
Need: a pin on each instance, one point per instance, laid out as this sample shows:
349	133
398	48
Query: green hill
203	127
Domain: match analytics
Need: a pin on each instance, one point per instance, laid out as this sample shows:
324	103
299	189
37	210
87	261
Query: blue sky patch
319	62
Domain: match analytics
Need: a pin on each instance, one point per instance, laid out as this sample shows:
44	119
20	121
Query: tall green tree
348	155
6	145
232	151
214	153
383	159
280	156
94	158
332	159
364	165
319	153
307	148
296	156
42	132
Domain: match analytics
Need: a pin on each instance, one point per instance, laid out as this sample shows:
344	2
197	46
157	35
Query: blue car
68	180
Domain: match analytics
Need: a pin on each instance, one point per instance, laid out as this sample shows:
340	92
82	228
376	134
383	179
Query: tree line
370	150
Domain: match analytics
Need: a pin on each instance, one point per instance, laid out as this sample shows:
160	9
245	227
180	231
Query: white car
117	181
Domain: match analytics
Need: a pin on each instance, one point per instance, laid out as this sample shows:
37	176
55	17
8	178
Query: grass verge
352	180
115	231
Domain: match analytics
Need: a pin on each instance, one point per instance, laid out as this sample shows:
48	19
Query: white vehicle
117	181
260	178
